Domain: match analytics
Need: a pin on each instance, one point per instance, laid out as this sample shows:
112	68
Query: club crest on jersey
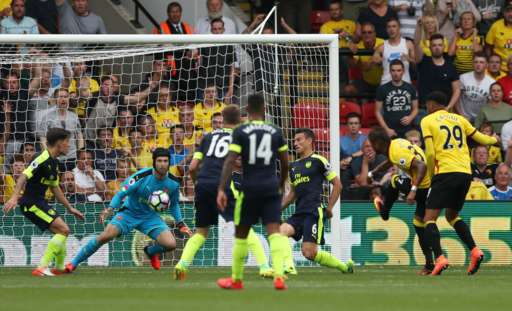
308	164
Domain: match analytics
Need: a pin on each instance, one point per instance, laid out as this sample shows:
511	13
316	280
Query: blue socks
86	251
155	249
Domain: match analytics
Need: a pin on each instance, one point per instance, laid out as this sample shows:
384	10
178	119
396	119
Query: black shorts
207	213
39	213
402	184
449	190
308	226
250	209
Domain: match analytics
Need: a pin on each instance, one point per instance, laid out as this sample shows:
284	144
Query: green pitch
314	289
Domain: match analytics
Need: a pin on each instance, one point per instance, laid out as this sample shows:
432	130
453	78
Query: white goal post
112	47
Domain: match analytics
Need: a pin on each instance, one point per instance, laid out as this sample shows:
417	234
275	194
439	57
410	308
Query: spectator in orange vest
174	25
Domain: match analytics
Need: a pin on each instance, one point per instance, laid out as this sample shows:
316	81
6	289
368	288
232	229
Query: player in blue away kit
205	170
135	213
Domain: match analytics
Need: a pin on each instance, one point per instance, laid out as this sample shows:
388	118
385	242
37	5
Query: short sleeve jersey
212	152
41	174
307	176
449	133
402	153
259	143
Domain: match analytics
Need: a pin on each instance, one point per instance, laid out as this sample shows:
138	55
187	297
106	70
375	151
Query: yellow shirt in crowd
94	87
500	36
464	54
164	120
333	27
494	155
203	115
373	75
120	142
478	191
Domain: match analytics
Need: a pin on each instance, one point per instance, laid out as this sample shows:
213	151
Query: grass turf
314	289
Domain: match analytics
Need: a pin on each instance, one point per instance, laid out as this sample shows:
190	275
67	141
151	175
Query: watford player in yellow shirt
412	161
448	160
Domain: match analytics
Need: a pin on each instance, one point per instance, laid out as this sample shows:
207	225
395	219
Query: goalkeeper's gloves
184	229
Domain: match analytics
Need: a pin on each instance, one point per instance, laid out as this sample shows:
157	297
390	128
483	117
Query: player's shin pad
240	250
191	249
54	249
277	249
288	255
256	248
328	260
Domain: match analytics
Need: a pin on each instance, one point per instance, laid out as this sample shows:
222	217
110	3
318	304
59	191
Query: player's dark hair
307	132
160	152
395	62
437	97
231	114
351	115
378	134
54	135
256	104
174	5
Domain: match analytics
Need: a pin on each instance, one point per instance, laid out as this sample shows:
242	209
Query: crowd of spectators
394	53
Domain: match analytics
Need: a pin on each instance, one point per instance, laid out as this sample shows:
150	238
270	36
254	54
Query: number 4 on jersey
262	151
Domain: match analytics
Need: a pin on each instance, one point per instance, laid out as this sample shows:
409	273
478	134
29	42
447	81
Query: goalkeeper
135	212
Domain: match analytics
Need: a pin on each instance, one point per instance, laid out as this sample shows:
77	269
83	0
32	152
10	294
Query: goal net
123	96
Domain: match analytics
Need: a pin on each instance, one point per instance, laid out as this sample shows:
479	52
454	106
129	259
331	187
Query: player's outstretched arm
483	139
61	198
13	201
334	196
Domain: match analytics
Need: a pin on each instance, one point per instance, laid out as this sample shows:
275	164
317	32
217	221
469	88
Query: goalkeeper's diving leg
121	224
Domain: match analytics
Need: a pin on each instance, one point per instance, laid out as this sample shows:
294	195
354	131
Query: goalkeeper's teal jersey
136	190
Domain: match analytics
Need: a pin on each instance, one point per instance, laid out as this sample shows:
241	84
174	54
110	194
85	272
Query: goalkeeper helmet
160	152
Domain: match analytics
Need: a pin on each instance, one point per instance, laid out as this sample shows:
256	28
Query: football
158	200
